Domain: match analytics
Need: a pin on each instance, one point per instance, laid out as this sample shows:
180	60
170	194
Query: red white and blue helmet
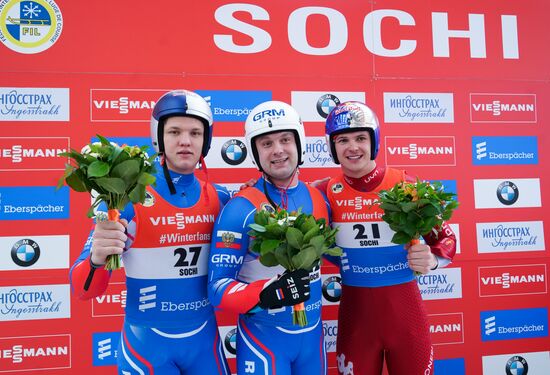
350	117
180	103
270	117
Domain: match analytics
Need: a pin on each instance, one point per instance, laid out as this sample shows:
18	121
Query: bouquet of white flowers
293	240
118	174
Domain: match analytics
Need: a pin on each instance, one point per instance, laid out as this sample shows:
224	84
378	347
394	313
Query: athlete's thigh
260	351
312	358
359	347
143	353
207	357
409	349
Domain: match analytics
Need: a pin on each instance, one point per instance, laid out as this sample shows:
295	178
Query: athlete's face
353	151
183	138
278	156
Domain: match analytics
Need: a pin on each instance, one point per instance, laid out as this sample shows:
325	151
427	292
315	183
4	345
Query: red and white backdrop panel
460	88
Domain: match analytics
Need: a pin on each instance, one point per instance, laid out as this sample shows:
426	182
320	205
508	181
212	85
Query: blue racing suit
267	340
170	326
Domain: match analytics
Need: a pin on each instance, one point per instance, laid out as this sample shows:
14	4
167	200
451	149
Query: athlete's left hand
421	258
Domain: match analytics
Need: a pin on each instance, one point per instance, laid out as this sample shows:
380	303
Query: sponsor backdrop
461	89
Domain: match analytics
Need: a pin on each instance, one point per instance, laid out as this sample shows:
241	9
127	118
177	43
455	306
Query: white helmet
180	103
270	117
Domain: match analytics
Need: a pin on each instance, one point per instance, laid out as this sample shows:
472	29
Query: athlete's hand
321	184
109	238
421	258
248	183
290	289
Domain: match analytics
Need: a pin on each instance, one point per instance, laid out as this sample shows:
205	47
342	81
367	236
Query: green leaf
269	260
146	179
268	246
294	237
261	217
401	238
98	169
409	206
104	141
310	233
111	184
137	195
127	170
74	181
305	258
281	254
257	227
334	251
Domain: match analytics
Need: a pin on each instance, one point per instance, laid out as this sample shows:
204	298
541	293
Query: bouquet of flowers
293	240
416	208
117	174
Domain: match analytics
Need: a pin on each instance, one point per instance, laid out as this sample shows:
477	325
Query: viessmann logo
35	353
503	108
420	151
446	328
123	105
112	302
512	280
33	153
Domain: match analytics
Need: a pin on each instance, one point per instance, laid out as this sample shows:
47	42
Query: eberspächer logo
29	26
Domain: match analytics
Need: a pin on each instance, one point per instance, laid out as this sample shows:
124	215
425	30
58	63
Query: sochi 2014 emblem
234	152
517	366
337	188
507	193
326	103
25	252
29	26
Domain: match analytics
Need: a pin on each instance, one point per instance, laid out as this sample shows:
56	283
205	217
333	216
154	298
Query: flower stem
113	260
299	315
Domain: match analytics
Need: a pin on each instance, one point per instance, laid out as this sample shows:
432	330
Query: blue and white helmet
180	103
270	117
349	117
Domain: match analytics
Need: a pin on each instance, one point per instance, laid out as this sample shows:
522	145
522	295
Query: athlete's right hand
109	238
290	289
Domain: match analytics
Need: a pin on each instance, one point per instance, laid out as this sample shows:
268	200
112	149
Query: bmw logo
234	152
230	341
25	252
507	193
332	288
517	366
326	103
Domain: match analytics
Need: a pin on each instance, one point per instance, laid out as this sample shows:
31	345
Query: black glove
289	289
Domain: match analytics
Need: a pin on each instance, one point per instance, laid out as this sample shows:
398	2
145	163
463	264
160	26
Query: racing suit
267	340
169	326
381	311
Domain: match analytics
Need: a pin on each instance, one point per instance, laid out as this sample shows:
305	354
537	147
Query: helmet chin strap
167	176
283	191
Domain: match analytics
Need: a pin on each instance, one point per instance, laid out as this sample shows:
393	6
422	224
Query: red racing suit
381	311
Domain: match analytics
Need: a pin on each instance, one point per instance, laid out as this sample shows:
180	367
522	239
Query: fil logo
147	298
481	150
490	325
104	349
